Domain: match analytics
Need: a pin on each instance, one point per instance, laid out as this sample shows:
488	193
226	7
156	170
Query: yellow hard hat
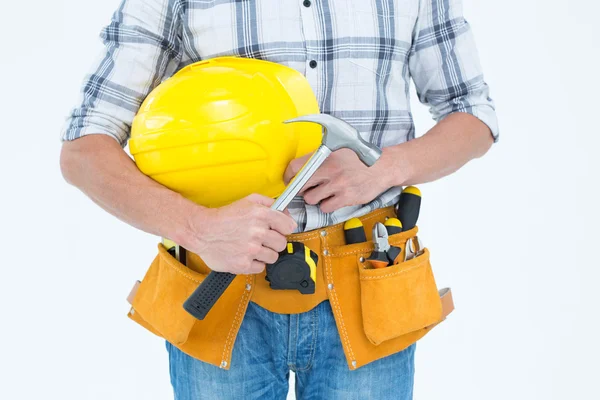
214	133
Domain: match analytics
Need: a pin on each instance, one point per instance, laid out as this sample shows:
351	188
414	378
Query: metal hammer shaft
337	135
215	284
298	182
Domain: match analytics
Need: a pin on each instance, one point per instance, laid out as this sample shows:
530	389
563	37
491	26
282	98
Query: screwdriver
354	231
408	207
393	226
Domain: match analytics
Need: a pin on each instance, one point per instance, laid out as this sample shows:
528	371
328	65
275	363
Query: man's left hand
342	180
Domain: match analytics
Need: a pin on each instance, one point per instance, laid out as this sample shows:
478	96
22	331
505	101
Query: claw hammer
337	134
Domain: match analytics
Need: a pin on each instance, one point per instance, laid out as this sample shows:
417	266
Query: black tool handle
408	207
207	294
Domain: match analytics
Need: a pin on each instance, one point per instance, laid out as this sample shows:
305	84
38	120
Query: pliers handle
414	248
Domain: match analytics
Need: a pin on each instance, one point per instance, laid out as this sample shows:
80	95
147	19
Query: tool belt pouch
380	312
399	299
157	303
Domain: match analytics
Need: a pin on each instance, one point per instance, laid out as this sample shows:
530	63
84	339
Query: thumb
294	166
260	199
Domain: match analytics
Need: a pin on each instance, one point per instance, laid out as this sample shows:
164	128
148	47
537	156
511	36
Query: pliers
414	248
383	255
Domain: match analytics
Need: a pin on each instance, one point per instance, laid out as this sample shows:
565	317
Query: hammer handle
211	289
215	284
206	295
305	173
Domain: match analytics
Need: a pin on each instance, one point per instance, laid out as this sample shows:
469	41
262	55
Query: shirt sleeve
142	46
444	64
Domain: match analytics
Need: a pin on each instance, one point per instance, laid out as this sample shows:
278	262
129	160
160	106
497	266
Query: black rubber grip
207	294
407	210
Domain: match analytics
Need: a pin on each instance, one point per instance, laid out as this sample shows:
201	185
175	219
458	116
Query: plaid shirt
357	55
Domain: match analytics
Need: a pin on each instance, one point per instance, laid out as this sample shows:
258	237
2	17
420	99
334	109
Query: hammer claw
339	134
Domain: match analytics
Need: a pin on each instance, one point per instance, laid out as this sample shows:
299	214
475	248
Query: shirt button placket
309	26
309	16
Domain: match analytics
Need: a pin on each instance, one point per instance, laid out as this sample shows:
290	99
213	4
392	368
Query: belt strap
445	297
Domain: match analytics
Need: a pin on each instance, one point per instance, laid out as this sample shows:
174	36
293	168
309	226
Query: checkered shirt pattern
357	55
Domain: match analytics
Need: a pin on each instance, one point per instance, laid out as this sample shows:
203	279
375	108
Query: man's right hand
242	237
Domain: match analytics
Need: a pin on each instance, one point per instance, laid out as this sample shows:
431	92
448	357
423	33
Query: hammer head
338	134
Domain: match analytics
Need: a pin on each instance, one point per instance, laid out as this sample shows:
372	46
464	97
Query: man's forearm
98	166
449	145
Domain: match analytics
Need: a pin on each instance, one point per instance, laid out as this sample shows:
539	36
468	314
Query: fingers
260	199
256	267
293	167
332	204
318	193
312	183
323	175
275	241
280	222
267	256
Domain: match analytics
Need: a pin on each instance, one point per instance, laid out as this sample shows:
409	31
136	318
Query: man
358	57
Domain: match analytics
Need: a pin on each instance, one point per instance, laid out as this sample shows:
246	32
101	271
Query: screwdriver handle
393	226
408	207
206	295
354	231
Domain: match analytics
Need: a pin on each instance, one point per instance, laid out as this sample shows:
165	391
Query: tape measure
296	269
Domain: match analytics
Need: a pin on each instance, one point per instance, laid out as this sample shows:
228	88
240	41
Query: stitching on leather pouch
339	311
235	323
377	214
357	251
361	250
392	274
364	248
178	270
305	236
237	318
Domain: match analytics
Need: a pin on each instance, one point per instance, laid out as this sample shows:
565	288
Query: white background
515	234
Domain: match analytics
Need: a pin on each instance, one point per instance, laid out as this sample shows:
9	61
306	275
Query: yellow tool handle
354	231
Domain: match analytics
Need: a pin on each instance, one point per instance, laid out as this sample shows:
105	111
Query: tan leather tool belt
378	312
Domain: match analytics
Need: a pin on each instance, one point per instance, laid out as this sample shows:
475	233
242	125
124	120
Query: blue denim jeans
269	345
